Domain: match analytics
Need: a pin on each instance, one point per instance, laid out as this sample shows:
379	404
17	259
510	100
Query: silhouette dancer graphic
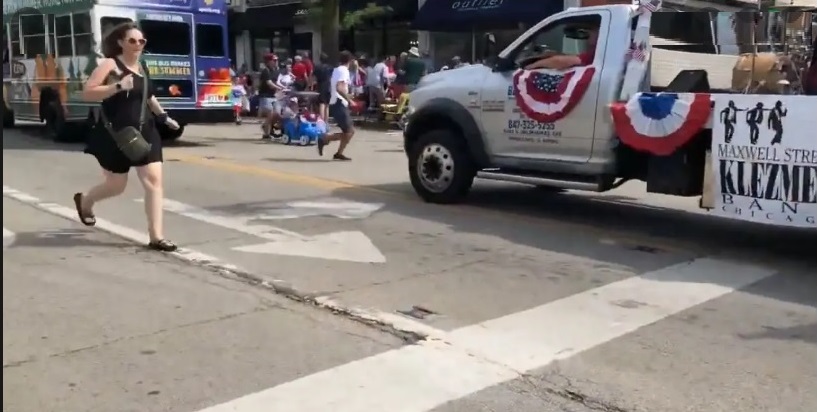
729	118
775	122
754	118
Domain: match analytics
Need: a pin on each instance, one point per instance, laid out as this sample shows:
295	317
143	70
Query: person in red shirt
556	61
301	73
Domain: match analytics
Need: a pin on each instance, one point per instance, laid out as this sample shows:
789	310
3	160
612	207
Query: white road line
421	377
8	237
397	322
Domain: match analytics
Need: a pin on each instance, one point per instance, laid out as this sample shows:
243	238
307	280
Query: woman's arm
95	90
155	107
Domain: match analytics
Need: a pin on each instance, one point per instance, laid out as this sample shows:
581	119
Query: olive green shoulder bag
129	139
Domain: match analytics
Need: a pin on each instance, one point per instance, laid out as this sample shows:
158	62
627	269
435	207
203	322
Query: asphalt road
521	300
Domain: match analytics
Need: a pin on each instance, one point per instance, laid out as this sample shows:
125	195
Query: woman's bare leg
114	185
150	176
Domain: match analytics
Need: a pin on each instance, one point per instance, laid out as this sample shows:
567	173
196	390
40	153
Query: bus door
168	52
212	63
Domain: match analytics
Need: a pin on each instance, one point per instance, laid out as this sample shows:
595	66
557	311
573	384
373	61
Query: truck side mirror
504	64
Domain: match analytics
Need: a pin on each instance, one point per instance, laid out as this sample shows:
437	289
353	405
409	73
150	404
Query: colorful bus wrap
53	46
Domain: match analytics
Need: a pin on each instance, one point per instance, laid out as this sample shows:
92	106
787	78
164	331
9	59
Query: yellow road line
330	184
278	175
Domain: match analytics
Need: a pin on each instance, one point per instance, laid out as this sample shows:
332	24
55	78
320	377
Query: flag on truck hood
660	123
549	95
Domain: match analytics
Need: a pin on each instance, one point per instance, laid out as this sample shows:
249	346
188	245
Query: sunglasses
140	42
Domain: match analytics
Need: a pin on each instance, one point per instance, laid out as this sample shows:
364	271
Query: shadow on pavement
254	139
296	160
803	333
532	209
622	214
181	142
62	238
25	137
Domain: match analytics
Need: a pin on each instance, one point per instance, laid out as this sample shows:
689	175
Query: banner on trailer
764	159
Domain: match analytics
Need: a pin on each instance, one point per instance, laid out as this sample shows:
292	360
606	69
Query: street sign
350	246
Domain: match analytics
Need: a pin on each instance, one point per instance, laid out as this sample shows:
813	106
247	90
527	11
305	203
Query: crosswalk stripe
420	377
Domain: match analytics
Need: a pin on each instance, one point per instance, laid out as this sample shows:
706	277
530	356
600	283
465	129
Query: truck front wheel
440	167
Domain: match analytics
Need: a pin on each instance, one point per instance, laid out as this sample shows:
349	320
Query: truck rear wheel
441	168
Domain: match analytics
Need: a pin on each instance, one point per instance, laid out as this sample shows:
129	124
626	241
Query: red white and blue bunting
549	95
660	123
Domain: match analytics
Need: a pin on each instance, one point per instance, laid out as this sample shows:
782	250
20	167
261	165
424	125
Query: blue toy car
302	130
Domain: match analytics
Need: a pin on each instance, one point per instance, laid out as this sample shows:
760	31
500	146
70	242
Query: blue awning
466	15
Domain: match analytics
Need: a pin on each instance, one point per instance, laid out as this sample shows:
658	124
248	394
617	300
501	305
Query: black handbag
129	139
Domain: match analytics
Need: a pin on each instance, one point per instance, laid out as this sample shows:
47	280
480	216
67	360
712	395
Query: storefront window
391	39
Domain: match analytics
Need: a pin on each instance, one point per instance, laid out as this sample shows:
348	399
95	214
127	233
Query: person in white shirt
377	77
283	85
339	107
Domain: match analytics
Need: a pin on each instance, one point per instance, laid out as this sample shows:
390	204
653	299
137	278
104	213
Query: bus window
164	37
109	23
62	32
209	40
14	29
50	33
83	38
32	27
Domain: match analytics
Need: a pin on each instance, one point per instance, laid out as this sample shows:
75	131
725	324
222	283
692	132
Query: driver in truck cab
555	61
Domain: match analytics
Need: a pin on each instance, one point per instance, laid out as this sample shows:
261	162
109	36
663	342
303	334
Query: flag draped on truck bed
660	123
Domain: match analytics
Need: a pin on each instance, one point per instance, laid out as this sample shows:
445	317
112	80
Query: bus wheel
168	134
8	117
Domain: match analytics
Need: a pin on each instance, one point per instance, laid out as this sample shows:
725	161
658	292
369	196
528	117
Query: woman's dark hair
324	58
110	44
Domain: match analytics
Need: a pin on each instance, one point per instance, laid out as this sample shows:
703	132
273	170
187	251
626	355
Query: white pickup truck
750	157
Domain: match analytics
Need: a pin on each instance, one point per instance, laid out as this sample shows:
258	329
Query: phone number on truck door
530	125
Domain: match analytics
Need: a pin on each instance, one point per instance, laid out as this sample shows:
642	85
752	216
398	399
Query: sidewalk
93	323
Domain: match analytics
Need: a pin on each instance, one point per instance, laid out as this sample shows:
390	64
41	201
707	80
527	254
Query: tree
327	16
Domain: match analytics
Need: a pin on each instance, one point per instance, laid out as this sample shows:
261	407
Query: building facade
285	28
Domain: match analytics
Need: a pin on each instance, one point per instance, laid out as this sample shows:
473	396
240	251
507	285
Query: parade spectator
414	69
267	88
339	107
322	76
376	81
811	75
301	73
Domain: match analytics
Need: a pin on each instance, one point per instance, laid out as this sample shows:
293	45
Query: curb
406	329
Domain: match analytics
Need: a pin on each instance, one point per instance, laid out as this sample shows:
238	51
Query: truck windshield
165	37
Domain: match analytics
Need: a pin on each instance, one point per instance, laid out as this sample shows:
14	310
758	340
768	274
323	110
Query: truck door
515	135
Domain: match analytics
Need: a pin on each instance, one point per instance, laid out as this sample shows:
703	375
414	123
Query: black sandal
163	245
87	219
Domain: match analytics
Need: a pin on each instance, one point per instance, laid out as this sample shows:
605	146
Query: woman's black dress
122	109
